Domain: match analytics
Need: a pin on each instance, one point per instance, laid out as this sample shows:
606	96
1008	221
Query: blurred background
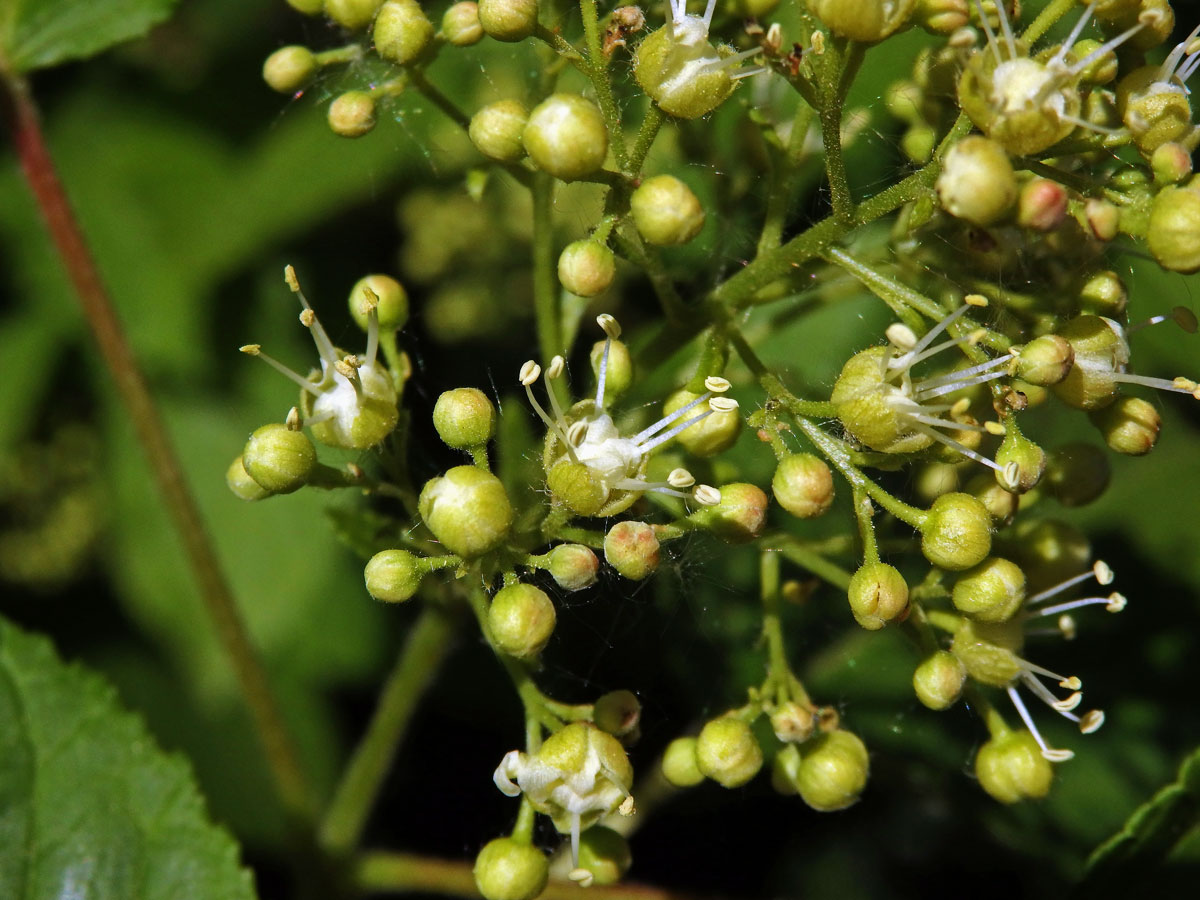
196	184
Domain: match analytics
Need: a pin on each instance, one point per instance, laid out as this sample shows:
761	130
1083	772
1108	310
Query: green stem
440	100
812	561
1046	19
783	180
779	673
545	290
664	288
866	525
598	73
42	177
415	669
839	58
645	138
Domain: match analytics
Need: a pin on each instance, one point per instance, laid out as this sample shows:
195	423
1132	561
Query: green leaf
89	805
1150	834
35	34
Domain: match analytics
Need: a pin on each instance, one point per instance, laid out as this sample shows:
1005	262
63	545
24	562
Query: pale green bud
289	68
508	20
604	854
496	130
833	771
1077	474
279	459
586	268
352	13
977	182
521	619
617	712
1045	360
460	24
793	722
957	532
987	652
684	77
565	136
464	418
1028	458
878	594
392	308
993	591
740	515
1173	234
402	31
679	763
665	211
467	510
1129	426
803	485
576	486
506	869
243	486
868	21
938	681
573	566
394	575
1011	768
352	114
1171	163
727	752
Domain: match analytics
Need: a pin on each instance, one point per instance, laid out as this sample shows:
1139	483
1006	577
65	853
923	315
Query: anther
716	384
555	369
293	420
680	479
609	325
706	495
530	373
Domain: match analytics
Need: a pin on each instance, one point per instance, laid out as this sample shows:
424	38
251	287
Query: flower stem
645	139
40	173
598	73
418	663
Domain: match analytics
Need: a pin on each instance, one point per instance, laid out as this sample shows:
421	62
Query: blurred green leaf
1150	834
89	805
36	34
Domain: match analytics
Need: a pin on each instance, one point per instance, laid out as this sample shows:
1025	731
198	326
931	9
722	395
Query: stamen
1066	626
931	335
1088	126
1178	385
680	478
1010	477
324	345
305	384
1167	69
530	372
726	62
1047	752
1114	602
706	495
716	404
667	420
293	421
348	369
716	384
1071	38
371	304
1007	28
1105	48
708	12
1091	721
553	372
987	29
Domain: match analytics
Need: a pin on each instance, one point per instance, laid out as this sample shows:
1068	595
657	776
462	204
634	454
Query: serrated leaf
89	804
1150	834
35	34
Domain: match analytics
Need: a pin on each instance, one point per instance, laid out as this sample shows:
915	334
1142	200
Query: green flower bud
738	517
464	418
565	136
392	308
1011	768
467	510
938	681
727	752
521	619
1155	111
987	651
279	459
632	549
307	7
977	182
1100	352
352	114
604	854
713	434
618	376
289	68
352	13
679	763
878	594
1103	219
803	485
1174	230
932	479
394	575
573	566
617	712
496	130
1028	458
1171	163
460	24
1077	474
993	591
508	20
586	268
506	869
665	211
576	487
1042	205
1000	504
957	532
918	143
785	769
1129	426
681	71
243	486
793	722
1045	360
868	21
940	17
833	771
1100	71
402	31
1103	294
863	402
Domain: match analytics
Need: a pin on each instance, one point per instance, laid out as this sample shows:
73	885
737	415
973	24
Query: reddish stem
22	117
